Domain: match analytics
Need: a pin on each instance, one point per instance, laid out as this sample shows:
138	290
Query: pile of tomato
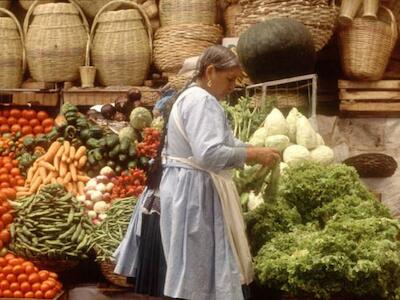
10	177
150	144
25	121
129	183
22	279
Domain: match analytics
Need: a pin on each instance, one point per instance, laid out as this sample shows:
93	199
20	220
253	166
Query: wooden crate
98	95
28	97
370	98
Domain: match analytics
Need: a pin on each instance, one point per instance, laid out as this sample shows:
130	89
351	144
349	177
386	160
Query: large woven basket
12	51
173	44
230	18
320	19
26	4
366	47
177	82
107	269
55	41
283	99
5	4
121	47
175	12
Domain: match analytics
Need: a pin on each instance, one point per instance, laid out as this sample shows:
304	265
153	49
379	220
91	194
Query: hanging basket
55	265
173	44
121	45
366	47
175	12
55	41
12	51
321	20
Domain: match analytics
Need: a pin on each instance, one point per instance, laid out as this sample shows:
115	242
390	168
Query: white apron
231	208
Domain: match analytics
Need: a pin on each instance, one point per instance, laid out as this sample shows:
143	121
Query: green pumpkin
275	49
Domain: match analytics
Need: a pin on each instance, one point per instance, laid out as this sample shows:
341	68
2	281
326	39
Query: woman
202	229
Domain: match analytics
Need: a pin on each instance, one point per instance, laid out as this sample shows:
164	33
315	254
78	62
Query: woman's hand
267	157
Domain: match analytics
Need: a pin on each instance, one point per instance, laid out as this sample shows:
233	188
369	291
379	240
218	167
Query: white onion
101	187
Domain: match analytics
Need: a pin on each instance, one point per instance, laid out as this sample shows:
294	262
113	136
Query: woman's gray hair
220	57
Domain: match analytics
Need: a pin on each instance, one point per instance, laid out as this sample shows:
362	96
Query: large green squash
275	49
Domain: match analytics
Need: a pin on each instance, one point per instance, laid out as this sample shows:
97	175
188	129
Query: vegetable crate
98	95
36	97
370	98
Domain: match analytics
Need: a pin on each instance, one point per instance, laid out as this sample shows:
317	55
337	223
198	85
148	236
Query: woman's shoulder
197	97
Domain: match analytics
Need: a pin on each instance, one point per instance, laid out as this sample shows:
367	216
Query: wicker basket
12	51
107	269
91	7
121	47
373	164
173	44
320	19
55	41
283	99
26	4
5	4
54	265
348	10
177	82
175	12
230	18
366	47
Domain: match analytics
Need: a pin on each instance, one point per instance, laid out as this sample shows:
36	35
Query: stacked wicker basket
366	44
187	29
12	53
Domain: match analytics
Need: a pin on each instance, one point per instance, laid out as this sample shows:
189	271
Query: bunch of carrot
62	164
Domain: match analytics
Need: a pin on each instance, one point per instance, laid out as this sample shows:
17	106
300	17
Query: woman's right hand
267	157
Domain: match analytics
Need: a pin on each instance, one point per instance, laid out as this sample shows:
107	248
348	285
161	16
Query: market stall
79	81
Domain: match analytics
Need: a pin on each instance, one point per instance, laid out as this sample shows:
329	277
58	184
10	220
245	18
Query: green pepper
96	132
92	143
114	152
70	132
97	154
85	134
112	140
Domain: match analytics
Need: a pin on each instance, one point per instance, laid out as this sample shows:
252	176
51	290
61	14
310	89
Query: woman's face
223	82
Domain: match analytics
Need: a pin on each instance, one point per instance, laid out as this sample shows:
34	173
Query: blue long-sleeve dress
200	261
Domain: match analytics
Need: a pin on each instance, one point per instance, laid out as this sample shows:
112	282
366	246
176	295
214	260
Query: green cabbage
140	118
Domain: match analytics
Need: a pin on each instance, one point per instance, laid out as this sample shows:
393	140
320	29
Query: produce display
325	235
63	164
51	224
110	233
20	278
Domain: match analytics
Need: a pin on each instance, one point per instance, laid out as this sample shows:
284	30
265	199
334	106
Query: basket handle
393	24
21	35
95	22
32	7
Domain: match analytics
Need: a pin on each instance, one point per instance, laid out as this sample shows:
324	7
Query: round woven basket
12	51
173	44
107	269
321	19
175	12
5	4
26	4
92	7
55	41
230	18
366	47
121	47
